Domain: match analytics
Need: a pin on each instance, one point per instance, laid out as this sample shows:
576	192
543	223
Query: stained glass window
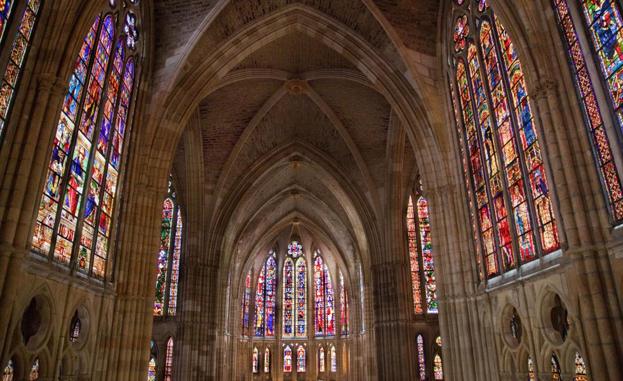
265	298
152	365
344	307
421	359
438	367
531	370
75	218
605	22
555	368
333	355
581	372
255	361
508	183
266	360
432	305
246	301
288	298
301	298
168	361
287	359
321	359
414	258
300	359
167	271
324	300
34	370
19	51
9	371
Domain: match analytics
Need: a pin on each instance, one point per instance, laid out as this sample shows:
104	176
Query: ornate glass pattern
344	308
581	372
321	359
555	368
168	361
438	367
9	371
294	292
531	370
421	359
19	51
151	369
34	370
511	195
287	359
167	271
301	359
81	185
246	302
266	360
592	113
301	298
255	362
324	299
288	298
333	358
432	305
414	260
265	298
461	30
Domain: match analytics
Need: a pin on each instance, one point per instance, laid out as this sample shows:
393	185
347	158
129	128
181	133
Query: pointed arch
555	364
255	361
265	298
321	359
324	298
344	308
267	360
333	358
421	357
301	359
581	370
287	359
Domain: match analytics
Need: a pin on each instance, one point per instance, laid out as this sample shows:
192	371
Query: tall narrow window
34	370
19	51
301	298
507	174
167	272
333	357
438	367
421	359
432	305
301	359
414	259
265	298
9	371
266	360
606	22
321	359
531	370
255	361
287	359
288	298
555	368
152	365
581	372
75	218
344	308
168	361
246	301
324	314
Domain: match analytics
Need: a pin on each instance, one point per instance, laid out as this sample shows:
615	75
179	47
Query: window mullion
70	152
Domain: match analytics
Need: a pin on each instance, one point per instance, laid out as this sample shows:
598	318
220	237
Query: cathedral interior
311	190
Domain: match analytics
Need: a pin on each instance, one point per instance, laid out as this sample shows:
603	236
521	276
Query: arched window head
294	292
75	328
581	371
153	359
246	303
18	21
604	29
510	197
531	370
301	359
75	220
421	357
438	367
321	359
555	367
344	308
266	298
266	360
8	373
324	298
168	264
34	370
333	358
287	359
168	361
255	361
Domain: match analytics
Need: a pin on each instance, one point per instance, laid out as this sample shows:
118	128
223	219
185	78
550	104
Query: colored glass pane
163	256
301	298
329	302
321	359
168	361
581	372
295	249
265	299
255	361
19	50
319	292
592	112
438	368
344	308
288	298
555	368
531	370
421	359
151	369
266	360
432	304
461	30
175	264
333	356
300	359
34	370
287	359
246	301
9	371
416	285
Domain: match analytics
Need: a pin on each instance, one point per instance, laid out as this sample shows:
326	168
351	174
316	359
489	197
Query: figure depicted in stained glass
581	372
301	359
421	357
287	359
333	355
168	361
266	360
265	298
255	361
